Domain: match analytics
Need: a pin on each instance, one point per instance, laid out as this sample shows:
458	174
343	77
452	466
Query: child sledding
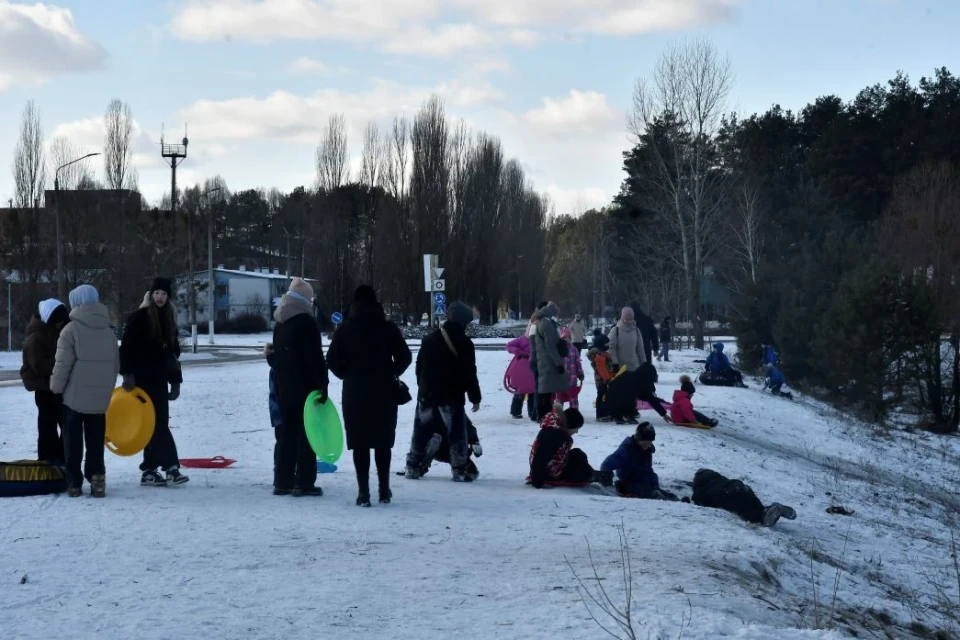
719	372
682	411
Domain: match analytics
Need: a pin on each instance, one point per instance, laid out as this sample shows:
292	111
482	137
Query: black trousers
516	405
578	468
296	462
162	450
544	404
429	420
49	426
361	462
710	489
80	429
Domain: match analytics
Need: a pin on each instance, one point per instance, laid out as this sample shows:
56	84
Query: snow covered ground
222	558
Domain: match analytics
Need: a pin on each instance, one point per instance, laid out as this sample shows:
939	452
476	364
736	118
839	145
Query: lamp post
61	288
211	282
9	316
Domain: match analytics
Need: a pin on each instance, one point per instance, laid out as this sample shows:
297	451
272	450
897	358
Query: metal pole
61	289
211	281
9	316
192	282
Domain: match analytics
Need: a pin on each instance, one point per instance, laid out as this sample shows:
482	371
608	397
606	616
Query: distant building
236	292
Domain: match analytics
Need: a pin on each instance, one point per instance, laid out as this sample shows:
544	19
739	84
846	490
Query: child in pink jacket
574	370
682	411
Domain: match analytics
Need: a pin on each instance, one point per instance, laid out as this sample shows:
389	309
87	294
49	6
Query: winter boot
175	477
461	475
517	417
363	498
74	492
300	492
413	473
385	494
472	472
152	478
98	486
280	491
775	511
603	477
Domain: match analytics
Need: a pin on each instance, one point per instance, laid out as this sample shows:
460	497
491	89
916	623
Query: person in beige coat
85	372
626	342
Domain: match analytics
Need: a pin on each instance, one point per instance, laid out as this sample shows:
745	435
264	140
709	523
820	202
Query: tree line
836	227
427	184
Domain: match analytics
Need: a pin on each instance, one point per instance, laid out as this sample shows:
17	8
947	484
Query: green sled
324	429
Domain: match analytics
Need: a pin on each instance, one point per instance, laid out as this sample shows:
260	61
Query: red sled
643	405
563	483
216	462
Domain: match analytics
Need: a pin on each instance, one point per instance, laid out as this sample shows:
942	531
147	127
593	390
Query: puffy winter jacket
444	378
626	345
519	377
551	374
88	360
634	467
717	361
682	408
39	354
548	455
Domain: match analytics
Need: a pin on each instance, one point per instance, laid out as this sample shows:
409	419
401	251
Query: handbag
403	393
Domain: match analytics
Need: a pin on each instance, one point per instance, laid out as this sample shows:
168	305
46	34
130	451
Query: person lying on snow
645	381
719	371
552	456
574	370
633	464
682	410
710	489
774	381
438	449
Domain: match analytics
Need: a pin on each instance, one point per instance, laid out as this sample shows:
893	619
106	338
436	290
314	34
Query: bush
245	323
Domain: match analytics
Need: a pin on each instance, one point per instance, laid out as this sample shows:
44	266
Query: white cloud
575	201
577	112
422	27
39	41
304	64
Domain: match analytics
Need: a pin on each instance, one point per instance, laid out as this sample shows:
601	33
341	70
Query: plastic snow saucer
131	419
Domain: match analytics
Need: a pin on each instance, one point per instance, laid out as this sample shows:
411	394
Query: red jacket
682	408
548	455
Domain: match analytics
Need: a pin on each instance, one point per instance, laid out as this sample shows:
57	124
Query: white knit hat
47	307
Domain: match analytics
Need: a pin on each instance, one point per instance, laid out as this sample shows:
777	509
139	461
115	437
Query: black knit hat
573	419
162	284
645	432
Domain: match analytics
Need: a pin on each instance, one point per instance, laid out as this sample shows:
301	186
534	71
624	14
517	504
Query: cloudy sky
255	80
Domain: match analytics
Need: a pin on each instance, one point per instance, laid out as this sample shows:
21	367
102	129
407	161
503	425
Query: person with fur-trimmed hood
446	372
633	464
149	359
300	369
39	356
552	456
682	411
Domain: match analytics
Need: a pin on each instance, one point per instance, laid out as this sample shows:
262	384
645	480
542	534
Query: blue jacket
717	362
769	355
276	415
634	467
775	376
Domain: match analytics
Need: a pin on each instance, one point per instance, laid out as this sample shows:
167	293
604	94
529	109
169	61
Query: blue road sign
336	317
439	298
439	309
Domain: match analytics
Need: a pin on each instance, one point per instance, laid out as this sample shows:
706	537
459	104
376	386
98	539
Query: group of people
71	361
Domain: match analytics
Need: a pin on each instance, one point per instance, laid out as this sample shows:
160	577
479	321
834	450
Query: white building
237	292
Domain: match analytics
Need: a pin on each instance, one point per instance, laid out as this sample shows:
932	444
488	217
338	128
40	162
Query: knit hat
364	293
302	288
718	346
645	432
550	310
572	419
47	308
84	294
162	284
627	315
600	341
460	314
686	385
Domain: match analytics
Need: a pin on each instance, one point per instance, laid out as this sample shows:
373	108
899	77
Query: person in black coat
713	490
645	380
369	354
300	370
149	354
39	354
648	330
446	371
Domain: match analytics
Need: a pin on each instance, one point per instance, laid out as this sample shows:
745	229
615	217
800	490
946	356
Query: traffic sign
336	317
438	272
439	309
439	285
439	298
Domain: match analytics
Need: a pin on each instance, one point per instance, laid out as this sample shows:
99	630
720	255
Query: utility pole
211	281
61	285
174	155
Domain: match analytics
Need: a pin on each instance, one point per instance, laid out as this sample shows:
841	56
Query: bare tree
75	175
374	159
120	175
399	145
747	227
675	117
333	156
29	166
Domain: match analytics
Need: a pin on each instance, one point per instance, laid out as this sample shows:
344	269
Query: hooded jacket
546	345
39	353
298	353
681	411
444	377
88	360
718	361
634	467
519	377
626	345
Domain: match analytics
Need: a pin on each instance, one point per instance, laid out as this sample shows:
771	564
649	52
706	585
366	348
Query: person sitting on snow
682	410
552	456
645	388
710	489
774	381
720	371
633	464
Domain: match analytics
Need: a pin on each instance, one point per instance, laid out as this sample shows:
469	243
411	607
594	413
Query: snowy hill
222	558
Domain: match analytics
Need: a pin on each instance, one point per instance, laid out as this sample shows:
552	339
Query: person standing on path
86	369
300	370
665	337
369	354
39	355
149	359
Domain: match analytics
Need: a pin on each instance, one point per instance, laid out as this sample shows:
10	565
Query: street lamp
61	289
211	282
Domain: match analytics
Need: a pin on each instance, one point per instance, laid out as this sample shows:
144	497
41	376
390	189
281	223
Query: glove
477	450
129	384
323	395
174	392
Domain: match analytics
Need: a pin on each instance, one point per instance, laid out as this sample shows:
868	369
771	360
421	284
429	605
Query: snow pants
710	489
80	429
516	406
49	426
427	421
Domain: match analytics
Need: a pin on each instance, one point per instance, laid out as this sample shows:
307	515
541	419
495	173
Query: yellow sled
131	420
693	425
